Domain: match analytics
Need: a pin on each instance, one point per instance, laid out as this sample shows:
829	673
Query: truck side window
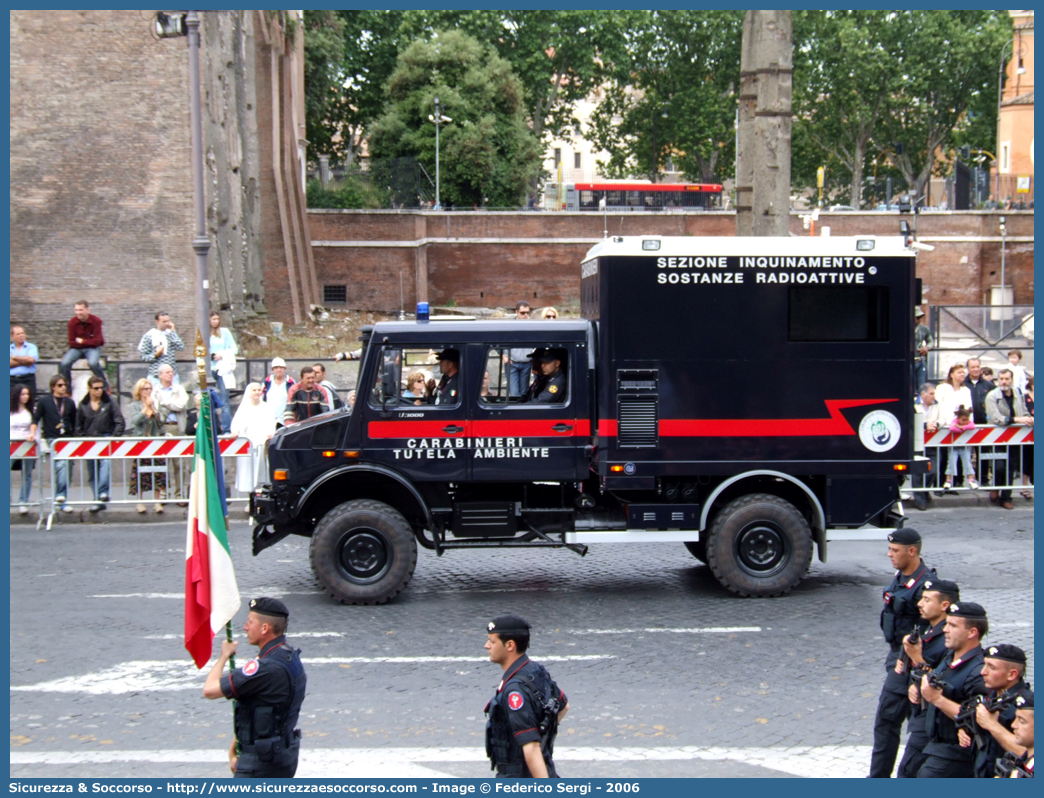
826	313
509	381
495	384
415	376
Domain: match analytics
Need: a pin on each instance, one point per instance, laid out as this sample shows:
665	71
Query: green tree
673	94
865	81
559	56
844	74
487	153
946	65
349	56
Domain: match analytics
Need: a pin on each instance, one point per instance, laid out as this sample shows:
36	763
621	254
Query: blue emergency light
422	311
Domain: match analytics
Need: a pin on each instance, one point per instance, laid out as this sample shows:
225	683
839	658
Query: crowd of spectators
160	407
968	397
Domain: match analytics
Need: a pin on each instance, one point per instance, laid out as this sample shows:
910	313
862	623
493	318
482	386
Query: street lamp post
200	243
169	25
1020	70
437	119
1004	280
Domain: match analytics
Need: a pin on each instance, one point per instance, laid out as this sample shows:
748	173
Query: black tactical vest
268	730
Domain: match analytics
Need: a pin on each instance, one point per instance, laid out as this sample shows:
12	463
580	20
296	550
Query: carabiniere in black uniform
268	691
899	616
933	649
961	679
523	709
986	756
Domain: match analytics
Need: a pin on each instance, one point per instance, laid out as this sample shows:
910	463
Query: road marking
144	676
690	631
828	761
261	591
419	660
292	635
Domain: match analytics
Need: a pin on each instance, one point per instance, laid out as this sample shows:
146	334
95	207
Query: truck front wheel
363	552
759	545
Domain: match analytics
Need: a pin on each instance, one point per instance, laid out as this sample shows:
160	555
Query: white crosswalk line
681	631
830	761
143	676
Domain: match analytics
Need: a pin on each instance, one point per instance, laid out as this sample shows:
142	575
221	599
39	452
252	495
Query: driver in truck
553	390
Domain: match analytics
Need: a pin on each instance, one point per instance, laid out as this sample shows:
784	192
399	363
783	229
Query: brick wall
101	197
495	259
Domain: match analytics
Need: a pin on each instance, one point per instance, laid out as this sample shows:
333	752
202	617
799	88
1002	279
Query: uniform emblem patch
250	667
515	700
552	389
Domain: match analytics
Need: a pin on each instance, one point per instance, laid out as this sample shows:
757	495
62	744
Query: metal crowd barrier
996	456
28	454
147	471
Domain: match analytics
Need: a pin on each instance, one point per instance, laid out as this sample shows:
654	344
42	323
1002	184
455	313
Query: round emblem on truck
629	469
879	431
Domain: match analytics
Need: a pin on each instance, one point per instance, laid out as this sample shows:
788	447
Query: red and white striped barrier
981	436
94	448
23	450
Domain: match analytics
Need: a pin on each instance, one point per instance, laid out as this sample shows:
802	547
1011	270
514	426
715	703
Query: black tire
759	545
698	549
363	552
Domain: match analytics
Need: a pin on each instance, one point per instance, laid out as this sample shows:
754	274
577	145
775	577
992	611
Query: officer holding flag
268	690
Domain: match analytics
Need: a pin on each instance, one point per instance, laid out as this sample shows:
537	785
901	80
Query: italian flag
211	592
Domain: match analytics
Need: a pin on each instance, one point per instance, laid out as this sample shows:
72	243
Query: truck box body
721	353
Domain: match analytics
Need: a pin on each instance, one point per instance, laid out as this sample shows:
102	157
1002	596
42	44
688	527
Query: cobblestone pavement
638	636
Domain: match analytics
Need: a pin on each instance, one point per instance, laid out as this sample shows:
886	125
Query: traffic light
966	153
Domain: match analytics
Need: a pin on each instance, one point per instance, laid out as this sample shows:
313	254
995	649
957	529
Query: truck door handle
452	428
562	427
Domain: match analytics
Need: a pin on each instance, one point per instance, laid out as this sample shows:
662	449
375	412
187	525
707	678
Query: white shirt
276	399
21	420
948	400
166	394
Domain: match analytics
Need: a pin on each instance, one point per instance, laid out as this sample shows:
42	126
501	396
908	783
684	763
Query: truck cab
745	397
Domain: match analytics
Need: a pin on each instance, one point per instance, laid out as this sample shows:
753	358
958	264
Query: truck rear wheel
698	549
363	552
759	545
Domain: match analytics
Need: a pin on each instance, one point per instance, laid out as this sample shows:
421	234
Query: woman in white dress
254	421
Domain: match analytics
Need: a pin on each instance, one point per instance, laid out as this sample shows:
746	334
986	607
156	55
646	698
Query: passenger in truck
416	388
554	388
448	389
536	376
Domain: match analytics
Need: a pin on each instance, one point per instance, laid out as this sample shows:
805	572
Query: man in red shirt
85	342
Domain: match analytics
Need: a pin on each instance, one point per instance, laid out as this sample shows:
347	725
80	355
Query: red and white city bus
631	195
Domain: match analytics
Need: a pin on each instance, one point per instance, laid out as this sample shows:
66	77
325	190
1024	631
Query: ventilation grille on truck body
484	520
637	422
637	408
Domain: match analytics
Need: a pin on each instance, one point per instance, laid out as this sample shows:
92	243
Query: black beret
449	354
507	624
269	606
943	586
967	609
905	537
1024	701
1006	652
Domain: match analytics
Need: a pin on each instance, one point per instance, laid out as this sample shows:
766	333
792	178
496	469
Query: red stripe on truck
768	427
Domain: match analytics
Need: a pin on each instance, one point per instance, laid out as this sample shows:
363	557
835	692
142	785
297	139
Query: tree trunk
763	152
856	190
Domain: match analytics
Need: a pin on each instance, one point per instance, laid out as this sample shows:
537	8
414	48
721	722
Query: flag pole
206	416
